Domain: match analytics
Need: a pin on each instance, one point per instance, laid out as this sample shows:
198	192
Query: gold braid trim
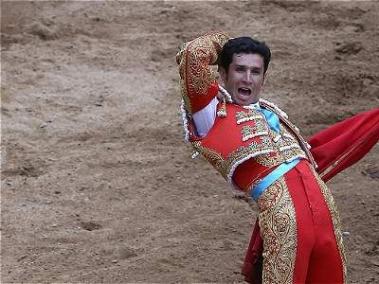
277	221
287	148
248	132
214	158
227	166
293	129
243	116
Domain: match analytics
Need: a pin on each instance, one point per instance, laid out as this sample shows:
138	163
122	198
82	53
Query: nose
247	77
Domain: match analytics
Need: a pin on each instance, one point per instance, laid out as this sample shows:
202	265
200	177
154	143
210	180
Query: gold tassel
222	111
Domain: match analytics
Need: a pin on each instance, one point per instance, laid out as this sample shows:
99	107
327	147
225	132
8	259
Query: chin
242	103
245	102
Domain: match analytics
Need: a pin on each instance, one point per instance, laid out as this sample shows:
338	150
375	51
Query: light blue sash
272	177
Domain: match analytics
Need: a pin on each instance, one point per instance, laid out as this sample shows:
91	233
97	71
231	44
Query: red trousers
334	149
300	230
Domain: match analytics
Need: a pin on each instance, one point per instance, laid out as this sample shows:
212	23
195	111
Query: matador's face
244	78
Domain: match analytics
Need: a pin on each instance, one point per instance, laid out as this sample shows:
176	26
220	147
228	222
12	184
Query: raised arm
198	82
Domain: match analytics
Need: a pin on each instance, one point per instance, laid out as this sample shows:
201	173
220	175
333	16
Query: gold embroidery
294	153
292	128
286	149
243	116
201	77
263	149
287	135
227	166
289	147
269	160
194	59
187	101
335	219
277	221
214	158
249	131
253	150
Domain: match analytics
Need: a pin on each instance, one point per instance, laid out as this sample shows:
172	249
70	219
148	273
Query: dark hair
243	45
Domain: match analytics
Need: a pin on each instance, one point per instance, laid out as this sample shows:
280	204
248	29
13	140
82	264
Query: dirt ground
97	184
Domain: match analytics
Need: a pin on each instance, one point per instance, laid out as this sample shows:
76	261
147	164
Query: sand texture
97	183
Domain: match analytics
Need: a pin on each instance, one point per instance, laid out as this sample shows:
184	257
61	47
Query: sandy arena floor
97	184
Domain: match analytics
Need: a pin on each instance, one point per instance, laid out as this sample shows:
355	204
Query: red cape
334	149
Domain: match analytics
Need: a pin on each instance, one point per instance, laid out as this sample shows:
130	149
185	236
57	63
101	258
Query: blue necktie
271	118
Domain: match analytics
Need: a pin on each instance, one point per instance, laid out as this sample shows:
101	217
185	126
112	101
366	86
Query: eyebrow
245	66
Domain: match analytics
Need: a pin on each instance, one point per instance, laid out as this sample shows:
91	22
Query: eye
240	69
256	71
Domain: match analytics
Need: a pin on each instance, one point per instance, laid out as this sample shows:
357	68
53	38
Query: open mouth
244	91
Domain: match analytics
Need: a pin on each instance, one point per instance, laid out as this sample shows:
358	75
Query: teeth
245	90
